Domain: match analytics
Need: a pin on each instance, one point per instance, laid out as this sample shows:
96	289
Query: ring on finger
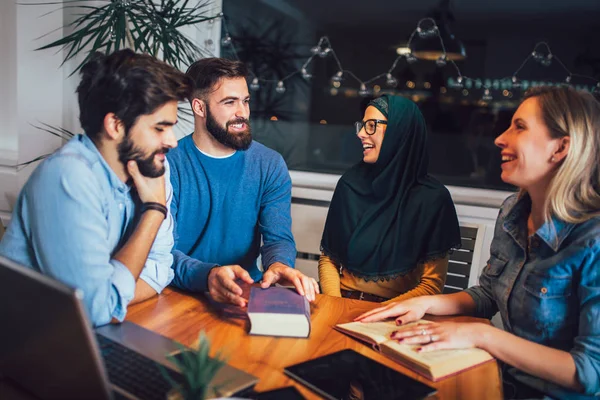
423	331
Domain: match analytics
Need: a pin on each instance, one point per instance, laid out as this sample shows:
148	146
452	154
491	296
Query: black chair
461	260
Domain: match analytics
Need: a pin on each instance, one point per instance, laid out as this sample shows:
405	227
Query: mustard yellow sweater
428	278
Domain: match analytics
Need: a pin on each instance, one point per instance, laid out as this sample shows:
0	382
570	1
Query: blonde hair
574	191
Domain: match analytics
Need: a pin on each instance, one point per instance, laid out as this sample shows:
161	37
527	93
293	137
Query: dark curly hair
129	85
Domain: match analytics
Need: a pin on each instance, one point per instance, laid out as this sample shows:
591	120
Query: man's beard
238	141
129	151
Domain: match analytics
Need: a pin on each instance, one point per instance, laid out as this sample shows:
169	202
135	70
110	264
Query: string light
487	96
363	90
254	85
324	52
338	76
459	82
390	80
226	41
441	61
426	28
280	88
410	58
516	84
305	74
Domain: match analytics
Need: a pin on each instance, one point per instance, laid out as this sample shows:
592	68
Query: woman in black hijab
390	225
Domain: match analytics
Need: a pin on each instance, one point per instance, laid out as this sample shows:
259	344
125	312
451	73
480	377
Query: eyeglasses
370	125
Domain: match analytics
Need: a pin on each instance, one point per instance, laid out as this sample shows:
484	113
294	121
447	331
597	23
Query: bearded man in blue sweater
229	192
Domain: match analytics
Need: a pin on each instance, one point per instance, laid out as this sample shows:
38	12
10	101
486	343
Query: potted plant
145	26
198	370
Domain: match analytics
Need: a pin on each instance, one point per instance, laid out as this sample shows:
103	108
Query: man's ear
113	126
563	148
199	107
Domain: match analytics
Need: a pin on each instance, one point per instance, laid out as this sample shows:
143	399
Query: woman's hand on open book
442	335
404	311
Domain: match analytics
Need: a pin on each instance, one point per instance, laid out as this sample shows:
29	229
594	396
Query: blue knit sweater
222	207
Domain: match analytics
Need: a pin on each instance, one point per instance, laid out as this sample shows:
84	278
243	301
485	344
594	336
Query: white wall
34	88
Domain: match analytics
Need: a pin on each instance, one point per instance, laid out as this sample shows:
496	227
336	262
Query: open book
433	365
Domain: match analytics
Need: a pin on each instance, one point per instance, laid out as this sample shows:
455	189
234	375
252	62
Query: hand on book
281	273
443	335
222	286
404	311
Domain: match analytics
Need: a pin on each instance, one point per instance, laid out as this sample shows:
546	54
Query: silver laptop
48	348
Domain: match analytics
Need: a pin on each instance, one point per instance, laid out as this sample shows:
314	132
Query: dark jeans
514	389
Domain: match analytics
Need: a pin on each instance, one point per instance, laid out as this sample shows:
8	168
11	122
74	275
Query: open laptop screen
46	342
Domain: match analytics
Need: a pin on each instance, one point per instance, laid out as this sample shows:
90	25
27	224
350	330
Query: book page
430	358
379	332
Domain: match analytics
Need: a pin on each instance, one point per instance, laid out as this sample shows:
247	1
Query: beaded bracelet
155	206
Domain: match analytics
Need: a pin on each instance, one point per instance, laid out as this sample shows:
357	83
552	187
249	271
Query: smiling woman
390	225
543	269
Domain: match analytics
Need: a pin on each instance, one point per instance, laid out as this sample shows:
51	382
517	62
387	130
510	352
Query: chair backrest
308	221
460	263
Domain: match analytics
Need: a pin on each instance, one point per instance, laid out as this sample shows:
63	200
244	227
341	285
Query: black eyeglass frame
359	125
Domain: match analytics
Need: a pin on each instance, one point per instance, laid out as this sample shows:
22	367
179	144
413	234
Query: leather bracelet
155	206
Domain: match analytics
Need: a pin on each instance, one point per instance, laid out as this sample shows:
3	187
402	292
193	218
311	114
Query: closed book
278	311
434	365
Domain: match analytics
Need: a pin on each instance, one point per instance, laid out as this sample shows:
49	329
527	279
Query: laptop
48	348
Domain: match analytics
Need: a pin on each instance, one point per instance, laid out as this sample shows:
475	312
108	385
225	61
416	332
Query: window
311	122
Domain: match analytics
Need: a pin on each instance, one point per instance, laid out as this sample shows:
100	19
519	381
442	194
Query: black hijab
386	218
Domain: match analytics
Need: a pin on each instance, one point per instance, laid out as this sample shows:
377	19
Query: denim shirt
547	289
71	217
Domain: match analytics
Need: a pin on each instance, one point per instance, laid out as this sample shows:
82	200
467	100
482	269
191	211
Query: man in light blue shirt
93	215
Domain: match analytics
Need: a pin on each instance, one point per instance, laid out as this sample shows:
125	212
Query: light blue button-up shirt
72	216
547	289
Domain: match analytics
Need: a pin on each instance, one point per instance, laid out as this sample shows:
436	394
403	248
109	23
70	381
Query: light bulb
546	61
280	88
337	77
315	50
568	79
537	56
516	84
459	83
226	41
363	90
441	61
487	96
254	85
305	74
410	58
323	53
390	80
427	33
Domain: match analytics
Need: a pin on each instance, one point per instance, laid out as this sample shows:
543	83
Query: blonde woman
543	275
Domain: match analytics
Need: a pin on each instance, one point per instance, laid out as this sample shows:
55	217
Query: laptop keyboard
133	372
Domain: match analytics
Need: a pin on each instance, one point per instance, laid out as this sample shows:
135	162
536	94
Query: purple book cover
277	300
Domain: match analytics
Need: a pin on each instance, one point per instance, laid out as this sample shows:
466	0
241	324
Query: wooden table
181	317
